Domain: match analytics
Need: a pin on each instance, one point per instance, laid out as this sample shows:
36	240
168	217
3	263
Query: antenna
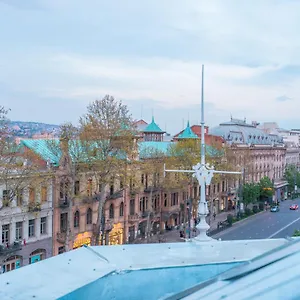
142	112
202	121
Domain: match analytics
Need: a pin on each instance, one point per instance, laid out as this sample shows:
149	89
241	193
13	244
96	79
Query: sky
57	56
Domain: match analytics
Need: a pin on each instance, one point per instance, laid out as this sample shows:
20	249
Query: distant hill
29	129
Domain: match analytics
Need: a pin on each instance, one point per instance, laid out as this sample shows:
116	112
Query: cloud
151	54
283	98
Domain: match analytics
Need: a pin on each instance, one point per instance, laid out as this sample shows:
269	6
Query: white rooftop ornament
204	174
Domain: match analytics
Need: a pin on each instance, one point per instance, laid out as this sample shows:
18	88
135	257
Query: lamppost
189	211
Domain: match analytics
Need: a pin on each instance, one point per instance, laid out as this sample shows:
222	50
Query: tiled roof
153	127
188	133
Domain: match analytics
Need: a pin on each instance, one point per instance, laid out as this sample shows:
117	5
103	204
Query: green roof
153	127
188	133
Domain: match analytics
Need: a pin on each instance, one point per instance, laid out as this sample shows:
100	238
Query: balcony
63	203
115	195
34	207
16	246
61	237
148	189
133	218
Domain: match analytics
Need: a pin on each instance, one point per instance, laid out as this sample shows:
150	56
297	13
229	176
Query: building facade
26	226
257	152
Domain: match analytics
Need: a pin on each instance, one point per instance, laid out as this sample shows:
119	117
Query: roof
273	275
155	149
105	272
239	132
188	133
153	127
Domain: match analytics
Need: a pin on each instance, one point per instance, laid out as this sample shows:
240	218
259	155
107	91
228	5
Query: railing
115	195
151	188
34	207
16	246
61	237
134	217
63	203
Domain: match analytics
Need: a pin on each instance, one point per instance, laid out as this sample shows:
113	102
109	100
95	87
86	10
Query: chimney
255	123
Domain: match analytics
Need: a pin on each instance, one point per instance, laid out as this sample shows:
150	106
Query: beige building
258	152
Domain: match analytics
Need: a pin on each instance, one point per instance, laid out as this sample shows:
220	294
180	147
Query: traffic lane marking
283	228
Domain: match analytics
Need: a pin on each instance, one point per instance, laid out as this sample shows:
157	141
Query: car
294	207
275	208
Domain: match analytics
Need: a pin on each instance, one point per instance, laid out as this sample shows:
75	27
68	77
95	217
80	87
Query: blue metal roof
239	132
153	127
188	133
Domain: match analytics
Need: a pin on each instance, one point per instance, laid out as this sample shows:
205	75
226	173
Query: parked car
294	207
275	208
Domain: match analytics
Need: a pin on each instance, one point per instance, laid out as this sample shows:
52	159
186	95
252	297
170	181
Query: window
6	195
63	222
165	200
19	230
61	249
76	219
12	263
131	207
43	225
20	197
5	234
31	228
31	195
111	188
44	192
89	189
89	216
77	188
111	211
122	209
142	179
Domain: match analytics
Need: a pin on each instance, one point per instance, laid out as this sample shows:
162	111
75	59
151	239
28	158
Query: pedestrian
214	216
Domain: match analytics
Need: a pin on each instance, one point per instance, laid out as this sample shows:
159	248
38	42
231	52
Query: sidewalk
173	236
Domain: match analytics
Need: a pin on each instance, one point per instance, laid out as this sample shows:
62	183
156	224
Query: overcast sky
56	56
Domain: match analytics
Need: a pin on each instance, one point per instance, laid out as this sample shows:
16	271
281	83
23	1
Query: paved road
266	225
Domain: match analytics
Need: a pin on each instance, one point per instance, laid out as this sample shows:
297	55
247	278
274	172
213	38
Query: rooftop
153	127
188	133
144	271
239	132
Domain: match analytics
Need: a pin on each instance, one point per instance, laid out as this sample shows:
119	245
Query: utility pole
204	174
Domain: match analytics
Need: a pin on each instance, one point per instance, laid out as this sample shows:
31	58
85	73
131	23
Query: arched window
122	209
89	216
76	219
111	211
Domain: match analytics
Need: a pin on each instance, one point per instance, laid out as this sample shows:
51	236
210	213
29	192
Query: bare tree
19	168
107	136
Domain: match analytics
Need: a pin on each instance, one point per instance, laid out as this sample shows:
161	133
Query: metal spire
204	174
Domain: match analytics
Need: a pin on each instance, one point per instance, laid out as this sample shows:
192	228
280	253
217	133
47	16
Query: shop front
116	235
82	239
12	263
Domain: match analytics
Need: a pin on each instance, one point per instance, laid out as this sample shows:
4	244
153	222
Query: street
266	225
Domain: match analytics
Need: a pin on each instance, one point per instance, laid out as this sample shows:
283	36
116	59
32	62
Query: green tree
292	176
266	187
251	192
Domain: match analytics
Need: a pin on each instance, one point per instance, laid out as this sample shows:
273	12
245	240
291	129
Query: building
25	221
259	153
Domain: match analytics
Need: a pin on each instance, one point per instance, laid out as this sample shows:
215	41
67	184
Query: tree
292	176
19	168
107	137
266	187
250	192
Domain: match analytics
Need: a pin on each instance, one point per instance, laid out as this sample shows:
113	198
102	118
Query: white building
26	226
